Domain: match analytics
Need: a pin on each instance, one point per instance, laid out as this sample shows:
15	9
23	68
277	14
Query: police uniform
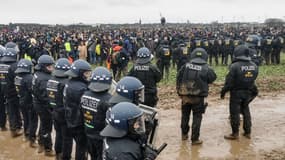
240	81
267	49
213	51
122	149
94	106
63	140
23	83
164	57
3	83
42	107
277	47
15	120
183	56
73	91
192	86
228	48
149	75
122	141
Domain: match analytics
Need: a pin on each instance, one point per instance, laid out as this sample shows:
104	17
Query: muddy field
268	132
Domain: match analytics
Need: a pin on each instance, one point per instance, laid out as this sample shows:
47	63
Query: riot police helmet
101	80
10	55
143	55
124	118
11	45
241	52
128	89
78	68
2	51
24	66
199	55
44	61
61	66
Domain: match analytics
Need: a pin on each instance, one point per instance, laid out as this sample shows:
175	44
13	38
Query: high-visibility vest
67	46
27	57
98	49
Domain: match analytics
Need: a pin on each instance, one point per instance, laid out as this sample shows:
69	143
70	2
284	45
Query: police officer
267	49
214	51
23	83
228	48
252	42
55	86
240	81
10	93
163	58
79	74
148	74
277	47
94	104
2	85
192	86
43	72
123	134
183	55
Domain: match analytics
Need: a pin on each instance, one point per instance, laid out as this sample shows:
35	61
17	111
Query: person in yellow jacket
98	51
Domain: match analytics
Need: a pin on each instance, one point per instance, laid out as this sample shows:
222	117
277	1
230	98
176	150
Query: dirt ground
267	143
268	131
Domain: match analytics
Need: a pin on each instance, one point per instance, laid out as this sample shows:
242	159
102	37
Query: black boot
233	136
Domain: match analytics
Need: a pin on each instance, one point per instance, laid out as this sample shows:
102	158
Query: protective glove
223	94
149	153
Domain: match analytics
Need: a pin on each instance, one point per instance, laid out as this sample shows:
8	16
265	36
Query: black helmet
101	80
122	119
61	66
128	89
143	55
43	61
24	66
10	55
78	68
199	55
241	52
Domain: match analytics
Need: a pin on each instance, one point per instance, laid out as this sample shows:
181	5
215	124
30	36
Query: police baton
161	148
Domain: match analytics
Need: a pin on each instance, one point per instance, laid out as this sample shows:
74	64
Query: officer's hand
150	153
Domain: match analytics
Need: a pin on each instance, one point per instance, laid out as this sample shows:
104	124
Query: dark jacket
23	83
73	91
122	149
193	79
242	75
10	91
55	87
94	106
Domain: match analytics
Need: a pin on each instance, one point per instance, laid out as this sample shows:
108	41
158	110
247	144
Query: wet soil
268	130
267	142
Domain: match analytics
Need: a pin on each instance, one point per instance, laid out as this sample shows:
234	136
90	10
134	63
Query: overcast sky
129	11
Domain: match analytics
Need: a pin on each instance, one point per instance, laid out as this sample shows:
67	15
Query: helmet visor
139	94
137	125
